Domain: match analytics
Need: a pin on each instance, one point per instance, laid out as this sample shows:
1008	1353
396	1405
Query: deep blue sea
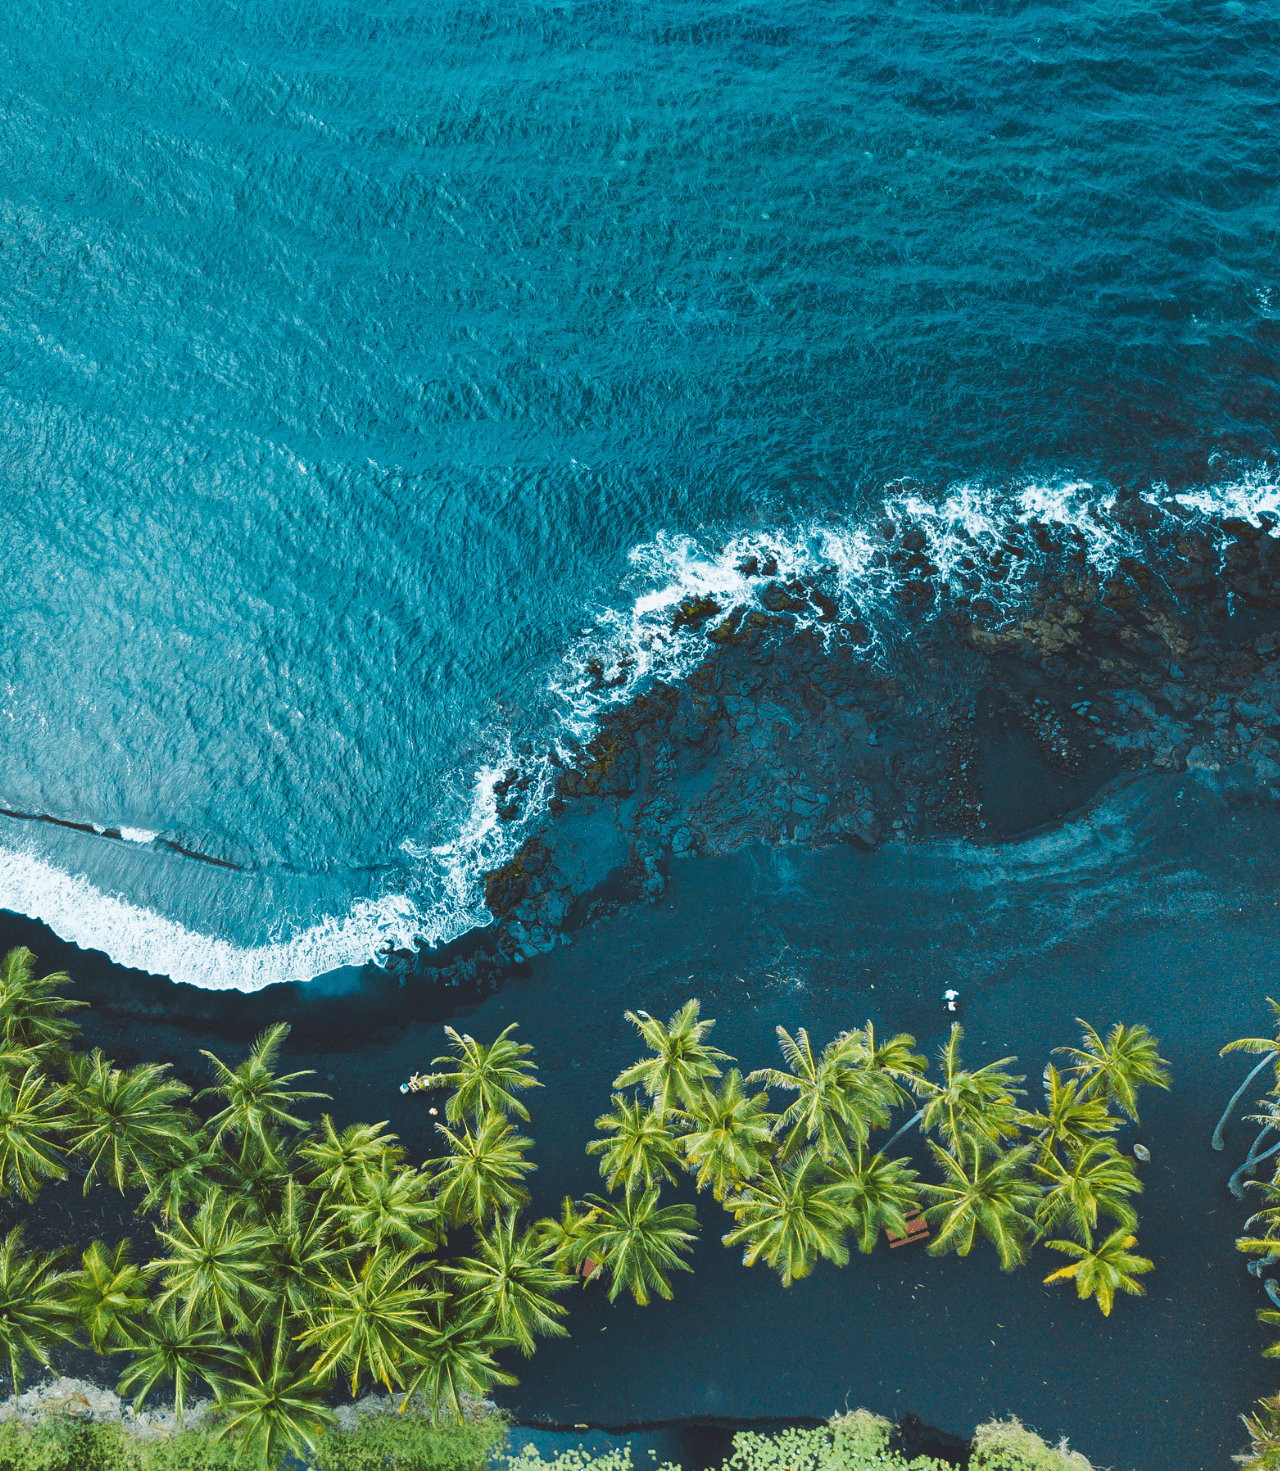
367	370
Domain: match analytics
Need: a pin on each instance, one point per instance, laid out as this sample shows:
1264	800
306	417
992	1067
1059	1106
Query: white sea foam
631	645
78	911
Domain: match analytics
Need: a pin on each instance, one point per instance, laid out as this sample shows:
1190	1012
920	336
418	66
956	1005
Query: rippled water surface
366	367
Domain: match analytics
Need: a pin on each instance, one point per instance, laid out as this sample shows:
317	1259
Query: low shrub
382	1443
858	1441
411	1443
1007	1445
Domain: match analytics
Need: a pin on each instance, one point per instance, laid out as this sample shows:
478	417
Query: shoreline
1156	907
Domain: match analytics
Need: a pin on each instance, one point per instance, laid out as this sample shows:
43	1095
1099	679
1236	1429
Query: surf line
114	832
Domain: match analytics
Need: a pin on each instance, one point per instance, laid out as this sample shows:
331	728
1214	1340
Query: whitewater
439	893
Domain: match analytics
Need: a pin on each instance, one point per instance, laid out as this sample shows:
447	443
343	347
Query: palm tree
1094	1179
1126	1061
125	1123
1102	1270
977	1105
33	1116
729	1137
34	1316
509	1281
790	1215
639	1242
871	1192
370	1319
215	1266
393	1207
896	1058
456	1357
642	1149
839	1099
1069	1118
253	1180
564	1243
169	1349
31	1015
484	1079
682	1063
179	1180
483	1172
274	1406
300	1252
257	1101
1269	1047
1264	1436
108	1295
337	1163
987	1194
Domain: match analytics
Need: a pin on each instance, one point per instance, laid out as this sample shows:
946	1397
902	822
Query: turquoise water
368	370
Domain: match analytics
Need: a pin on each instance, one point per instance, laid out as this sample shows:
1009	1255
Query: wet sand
1158	905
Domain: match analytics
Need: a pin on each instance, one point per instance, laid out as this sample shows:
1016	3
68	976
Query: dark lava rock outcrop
974	712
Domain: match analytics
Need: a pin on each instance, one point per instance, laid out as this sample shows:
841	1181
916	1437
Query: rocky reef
995	699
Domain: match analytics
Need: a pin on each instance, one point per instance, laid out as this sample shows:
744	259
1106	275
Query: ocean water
368	370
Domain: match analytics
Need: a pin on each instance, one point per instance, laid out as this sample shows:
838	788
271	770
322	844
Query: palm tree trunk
1252	1161
1235	1098
911	1122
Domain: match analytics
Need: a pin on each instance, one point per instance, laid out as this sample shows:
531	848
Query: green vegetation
289	1255
293	1257
1262	1239
802	1182
381	1443
858	1441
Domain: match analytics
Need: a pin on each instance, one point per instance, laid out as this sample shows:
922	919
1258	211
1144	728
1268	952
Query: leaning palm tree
108	1295
393	1207
508	1280
683	1063
483	1172
1128	1060
1269	1047
31	1015
125	1124
215	1268
873	1192
456	1357
338	1163
271	1404
642	1149
1100	1271
730	1136
369	1319
1096	1179
639	1243
169	1349
790	1216
971	1105
34	1314
1069	1118
484	1079
257	1101
839	1100
982	1193
33	1120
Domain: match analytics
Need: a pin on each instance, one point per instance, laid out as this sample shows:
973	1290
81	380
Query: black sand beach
1159	904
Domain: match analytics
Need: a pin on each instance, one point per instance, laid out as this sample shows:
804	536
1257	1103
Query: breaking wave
975	542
